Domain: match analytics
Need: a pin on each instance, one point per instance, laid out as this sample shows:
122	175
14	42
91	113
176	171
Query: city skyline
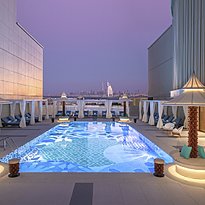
87	43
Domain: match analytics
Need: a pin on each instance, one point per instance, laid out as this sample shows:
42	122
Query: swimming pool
89	147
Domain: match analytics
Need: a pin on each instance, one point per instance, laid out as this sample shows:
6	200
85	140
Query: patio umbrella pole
193	134
63	108
124	108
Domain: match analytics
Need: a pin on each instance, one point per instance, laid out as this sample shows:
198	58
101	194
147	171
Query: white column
140	110
145	109
46	106
174	111
32	110
22	111
108	105
12	108
40	110
80	107
185	108
151	118
160	111
1	107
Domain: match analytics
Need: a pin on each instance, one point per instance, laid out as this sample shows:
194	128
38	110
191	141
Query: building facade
160	66
21	58
179	52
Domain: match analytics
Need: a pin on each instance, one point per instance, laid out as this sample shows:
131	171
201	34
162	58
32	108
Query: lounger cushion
185	152
201	151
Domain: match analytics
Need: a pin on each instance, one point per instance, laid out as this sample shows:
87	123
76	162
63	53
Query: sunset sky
87	42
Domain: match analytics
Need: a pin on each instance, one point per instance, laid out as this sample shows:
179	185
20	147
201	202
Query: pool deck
108	188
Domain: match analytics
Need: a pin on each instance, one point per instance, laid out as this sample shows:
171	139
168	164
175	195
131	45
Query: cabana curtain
189	40
22	110
165	109
140	110
108	105
81	105
32	110
40	110
160	111
127	108
185	108
47	114
12	108
151	119
54	108
174	111
145	109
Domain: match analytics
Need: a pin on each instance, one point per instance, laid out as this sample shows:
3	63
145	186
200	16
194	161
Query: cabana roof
193	83
189	98
4	102
193	94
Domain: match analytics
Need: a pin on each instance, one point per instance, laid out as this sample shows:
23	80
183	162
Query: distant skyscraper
109	90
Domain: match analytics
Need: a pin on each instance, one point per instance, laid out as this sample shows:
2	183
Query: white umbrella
193	96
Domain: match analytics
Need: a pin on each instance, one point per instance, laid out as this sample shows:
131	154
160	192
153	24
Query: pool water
89	147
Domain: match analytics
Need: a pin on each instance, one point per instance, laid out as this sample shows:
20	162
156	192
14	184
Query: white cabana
160	111
145	110
152	107
80	107
94	104
108	105
22	111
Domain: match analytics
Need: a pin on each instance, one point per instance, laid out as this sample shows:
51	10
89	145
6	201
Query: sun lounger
28	117
18	117
177	131
7	122
113	114
104	113
13	119
168	126
68	113
95	114
59	113
76	113
86	113
178	122
167	119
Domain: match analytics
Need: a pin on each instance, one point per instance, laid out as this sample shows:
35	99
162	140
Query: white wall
21	58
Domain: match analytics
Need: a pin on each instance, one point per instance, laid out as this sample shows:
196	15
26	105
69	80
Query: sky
89	42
